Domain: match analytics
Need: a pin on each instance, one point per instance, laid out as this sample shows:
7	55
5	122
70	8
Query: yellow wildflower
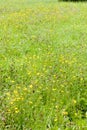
31	86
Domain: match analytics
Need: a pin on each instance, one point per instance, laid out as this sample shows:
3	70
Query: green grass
43	65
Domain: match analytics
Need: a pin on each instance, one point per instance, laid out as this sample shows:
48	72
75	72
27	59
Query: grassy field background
43	65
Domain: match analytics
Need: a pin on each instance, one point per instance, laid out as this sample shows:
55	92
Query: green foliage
73	0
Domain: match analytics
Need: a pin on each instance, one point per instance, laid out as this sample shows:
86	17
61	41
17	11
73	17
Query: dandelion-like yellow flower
16	110
55	119
38	74
11	103
31	86
81	79
25	89
12	81
75	114
15	92
65	113
54	89
30	102
74	101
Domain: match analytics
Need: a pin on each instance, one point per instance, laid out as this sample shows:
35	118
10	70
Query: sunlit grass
43	65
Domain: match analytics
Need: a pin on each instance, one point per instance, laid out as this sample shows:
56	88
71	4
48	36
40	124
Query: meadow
43	65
